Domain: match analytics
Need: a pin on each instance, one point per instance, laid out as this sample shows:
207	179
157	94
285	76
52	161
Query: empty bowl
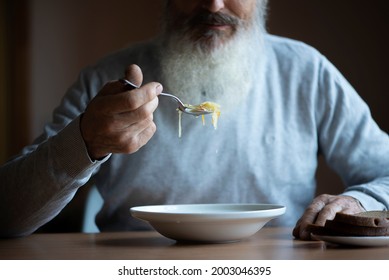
208	222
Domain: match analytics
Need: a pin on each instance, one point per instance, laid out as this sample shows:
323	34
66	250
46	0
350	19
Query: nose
213	5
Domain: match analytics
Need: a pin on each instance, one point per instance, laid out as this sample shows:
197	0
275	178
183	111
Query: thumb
134	75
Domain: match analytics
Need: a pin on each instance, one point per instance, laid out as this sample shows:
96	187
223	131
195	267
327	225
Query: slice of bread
344	229
365	219
369	223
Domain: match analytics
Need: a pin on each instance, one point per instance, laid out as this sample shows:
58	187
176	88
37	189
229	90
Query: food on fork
207	106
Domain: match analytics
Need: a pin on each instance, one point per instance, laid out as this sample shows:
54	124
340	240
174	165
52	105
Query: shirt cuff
70	152
368	202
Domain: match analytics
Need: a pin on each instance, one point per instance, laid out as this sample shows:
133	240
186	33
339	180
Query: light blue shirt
300	106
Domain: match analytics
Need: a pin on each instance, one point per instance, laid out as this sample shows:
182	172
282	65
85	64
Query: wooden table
268	244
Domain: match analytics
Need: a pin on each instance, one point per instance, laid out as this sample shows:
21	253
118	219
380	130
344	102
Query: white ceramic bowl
208	222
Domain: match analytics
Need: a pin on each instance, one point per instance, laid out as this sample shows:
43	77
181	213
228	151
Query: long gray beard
224	75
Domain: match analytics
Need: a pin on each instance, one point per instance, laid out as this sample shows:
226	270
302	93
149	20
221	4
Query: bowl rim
169	213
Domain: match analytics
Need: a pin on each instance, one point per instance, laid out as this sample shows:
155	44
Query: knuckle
130	102
147	133
131	145
132	141
311	208
328	211
120	140
322	197
151	91
139	98
152	128
142	113
315	206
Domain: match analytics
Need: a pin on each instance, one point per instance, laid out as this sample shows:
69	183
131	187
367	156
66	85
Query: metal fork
188	109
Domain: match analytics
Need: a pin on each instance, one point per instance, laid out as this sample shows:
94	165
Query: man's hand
119	120
324	207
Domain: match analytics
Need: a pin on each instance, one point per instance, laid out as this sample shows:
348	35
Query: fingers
132	100
126	141
323	208
310	217
313	215
140	139
119	120
116	121
328	212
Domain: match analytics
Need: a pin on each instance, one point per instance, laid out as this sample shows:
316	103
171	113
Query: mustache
207	18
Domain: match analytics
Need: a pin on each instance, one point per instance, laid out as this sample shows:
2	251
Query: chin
210	43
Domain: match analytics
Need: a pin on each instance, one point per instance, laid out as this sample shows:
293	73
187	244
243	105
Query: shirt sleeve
351	141
38	183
